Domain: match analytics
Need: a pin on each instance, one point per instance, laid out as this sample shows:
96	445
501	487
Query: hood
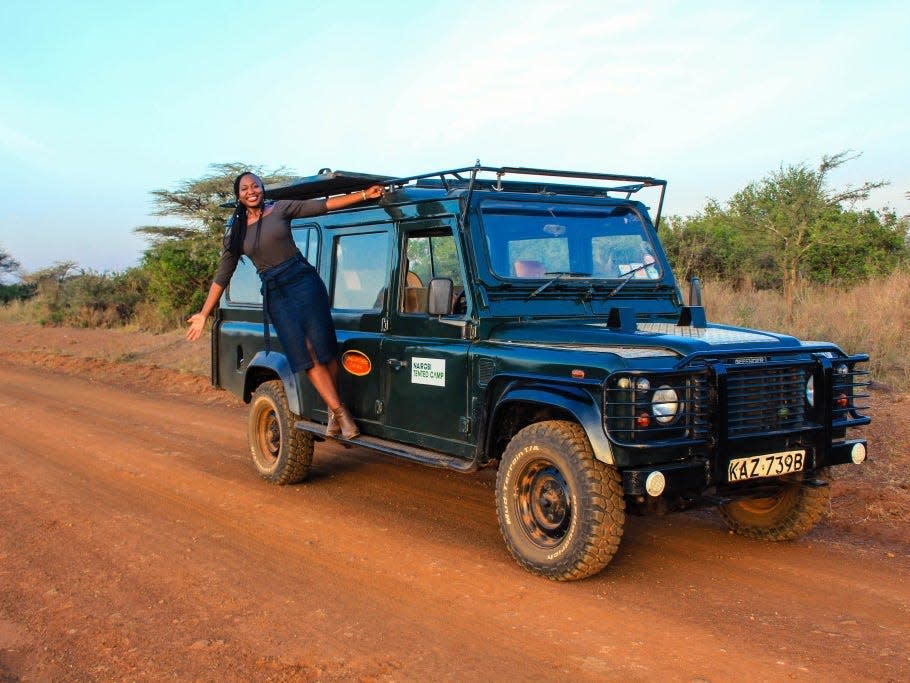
657	336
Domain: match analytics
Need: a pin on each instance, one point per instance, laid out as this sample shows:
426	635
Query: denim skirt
295	301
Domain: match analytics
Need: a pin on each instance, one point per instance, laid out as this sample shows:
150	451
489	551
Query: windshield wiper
628	276
559	275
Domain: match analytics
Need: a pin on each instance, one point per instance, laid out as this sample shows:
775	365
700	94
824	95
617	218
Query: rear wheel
783	516
281	453
561	511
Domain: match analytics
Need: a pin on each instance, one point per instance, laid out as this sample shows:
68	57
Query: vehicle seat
415	300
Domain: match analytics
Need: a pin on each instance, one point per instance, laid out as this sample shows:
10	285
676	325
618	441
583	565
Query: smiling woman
295	300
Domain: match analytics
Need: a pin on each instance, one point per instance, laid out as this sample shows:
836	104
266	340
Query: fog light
624	383
858	453
655	484
642	384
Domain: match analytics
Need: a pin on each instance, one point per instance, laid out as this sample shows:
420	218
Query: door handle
396	364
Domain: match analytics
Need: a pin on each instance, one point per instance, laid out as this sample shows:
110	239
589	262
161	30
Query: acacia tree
8	264
793	211
183	254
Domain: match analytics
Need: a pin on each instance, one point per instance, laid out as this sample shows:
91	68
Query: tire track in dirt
139	516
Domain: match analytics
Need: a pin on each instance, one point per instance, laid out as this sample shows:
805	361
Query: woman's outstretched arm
197	321
345	200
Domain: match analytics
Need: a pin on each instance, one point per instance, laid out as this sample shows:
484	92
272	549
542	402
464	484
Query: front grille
768	399
721	401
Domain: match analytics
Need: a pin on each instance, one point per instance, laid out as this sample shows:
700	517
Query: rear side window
244	287
245	284
361	263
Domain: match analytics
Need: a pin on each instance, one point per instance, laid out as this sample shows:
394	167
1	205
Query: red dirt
137	543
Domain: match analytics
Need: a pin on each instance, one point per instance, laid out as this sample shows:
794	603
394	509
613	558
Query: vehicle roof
454	182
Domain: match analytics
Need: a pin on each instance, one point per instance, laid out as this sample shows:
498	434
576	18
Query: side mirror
695	292
439	296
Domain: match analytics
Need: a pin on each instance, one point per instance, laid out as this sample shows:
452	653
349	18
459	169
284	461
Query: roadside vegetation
787	253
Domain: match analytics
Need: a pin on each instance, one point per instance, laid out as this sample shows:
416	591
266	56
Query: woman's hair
238	220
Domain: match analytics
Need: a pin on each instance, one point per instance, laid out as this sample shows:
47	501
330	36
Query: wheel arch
522	403
264	367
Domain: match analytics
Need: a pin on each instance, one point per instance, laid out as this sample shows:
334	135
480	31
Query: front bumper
697	479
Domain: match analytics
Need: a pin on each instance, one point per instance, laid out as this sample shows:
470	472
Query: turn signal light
842	401
643	421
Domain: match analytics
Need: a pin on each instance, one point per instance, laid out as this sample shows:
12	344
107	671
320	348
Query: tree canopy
183	255
7	263
788	228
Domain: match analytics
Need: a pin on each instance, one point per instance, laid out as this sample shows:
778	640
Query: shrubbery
789	220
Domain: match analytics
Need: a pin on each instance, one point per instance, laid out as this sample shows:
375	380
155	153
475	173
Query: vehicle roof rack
327	182
473	178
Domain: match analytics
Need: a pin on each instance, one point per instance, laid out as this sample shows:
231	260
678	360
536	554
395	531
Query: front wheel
561	511
281	453
788	513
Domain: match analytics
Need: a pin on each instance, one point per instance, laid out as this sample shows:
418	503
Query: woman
294	297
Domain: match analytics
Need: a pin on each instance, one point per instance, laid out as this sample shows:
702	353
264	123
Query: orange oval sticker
356	362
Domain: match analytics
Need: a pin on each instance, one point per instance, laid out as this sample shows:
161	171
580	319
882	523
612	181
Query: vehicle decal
356	362
430	371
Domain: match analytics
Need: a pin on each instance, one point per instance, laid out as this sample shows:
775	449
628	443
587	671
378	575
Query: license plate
770	465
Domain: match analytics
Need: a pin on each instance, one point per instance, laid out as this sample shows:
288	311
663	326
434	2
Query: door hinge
464	425
384	325
378	407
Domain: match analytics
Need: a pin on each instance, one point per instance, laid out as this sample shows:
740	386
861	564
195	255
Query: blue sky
102	102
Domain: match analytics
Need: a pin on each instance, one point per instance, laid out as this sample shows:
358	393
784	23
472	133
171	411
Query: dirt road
137	543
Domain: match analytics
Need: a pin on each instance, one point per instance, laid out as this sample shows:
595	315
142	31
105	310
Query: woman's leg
324	379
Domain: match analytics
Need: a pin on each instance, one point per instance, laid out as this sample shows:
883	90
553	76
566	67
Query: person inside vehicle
294	298
529	268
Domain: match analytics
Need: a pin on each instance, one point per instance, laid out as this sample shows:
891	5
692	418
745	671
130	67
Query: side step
399	450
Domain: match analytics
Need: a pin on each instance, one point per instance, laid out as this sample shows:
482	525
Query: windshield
538	240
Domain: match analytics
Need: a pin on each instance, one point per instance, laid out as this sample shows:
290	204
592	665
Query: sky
103	102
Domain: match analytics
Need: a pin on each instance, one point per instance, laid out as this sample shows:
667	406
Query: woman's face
249	191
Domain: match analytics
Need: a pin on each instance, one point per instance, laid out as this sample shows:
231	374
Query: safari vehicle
529	319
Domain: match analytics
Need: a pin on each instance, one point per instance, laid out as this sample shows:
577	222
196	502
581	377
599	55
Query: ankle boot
345	422
332	429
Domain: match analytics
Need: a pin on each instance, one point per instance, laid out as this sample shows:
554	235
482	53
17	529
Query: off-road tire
787	515
281	454
561	511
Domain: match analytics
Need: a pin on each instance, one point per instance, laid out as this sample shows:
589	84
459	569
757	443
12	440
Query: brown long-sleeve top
273	242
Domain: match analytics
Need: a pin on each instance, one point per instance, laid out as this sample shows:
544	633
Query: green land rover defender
528	319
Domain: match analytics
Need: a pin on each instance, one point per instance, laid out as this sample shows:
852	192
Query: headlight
665	404
810	391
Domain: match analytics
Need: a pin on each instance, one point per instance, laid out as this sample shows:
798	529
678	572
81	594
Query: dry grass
872	318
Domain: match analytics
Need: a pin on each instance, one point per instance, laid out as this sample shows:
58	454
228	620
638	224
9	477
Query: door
425	358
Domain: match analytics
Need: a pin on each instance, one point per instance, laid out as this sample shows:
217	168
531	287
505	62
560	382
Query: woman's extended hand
197	324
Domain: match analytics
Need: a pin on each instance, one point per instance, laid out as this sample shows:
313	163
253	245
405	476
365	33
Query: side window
427	256
361	264
244	287
307	240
